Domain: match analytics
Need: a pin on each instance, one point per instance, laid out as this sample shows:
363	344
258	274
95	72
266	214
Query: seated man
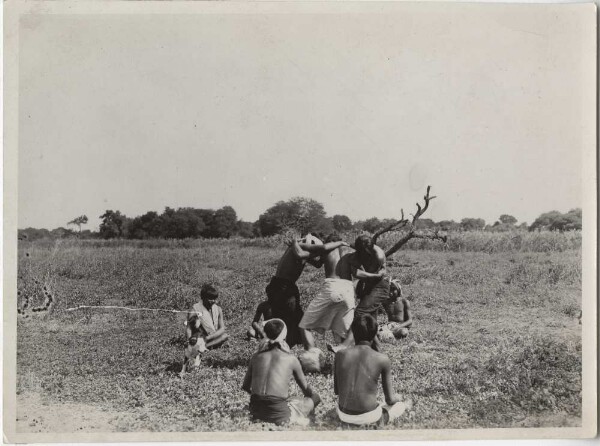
357	371
268	379
263	313
398	312
207	315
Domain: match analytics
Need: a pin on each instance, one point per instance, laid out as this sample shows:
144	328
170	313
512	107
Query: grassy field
496	340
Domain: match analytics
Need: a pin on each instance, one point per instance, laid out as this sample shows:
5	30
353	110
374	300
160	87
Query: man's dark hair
363	244
333	237
364	328
273	329
208	291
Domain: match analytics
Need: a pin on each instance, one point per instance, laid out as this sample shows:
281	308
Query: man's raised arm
299	252
322	249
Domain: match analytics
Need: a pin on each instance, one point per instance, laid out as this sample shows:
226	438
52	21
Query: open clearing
496	340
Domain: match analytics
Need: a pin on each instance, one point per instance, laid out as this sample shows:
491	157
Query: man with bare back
268	380
333	307
282	293
357	371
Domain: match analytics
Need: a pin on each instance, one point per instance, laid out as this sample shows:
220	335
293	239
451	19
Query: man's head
364	328
333	237
273	328
364	245
395	289
310	239
209	295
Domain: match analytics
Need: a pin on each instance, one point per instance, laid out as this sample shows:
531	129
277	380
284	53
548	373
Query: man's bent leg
217	342
300	409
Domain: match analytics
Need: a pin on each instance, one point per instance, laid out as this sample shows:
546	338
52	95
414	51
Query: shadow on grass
173	367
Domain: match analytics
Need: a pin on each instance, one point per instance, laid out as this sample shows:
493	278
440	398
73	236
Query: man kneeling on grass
356	378
268	381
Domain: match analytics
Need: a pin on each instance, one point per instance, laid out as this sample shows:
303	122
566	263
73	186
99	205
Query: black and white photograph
299	220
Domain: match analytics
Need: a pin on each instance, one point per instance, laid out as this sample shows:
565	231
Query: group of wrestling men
358	362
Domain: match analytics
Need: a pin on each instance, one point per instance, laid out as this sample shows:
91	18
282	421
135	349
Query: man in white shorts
333	307
357	372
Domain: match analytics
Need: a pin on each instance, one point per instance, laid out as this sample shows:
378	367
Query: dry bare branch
410	225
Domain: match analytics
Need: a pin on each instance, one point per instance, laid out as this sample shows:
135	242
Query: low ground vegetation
496	340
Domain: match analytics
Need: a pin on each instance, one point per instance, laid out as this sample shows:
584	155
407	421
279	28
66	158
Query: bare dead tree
408	226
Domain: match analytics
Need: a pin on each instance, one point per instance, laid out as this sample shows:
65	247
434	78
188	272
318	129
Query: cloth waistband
363	418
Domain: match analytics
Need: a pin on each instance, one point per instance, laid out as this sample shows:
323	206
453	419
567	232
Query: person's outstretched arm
322	249
386	379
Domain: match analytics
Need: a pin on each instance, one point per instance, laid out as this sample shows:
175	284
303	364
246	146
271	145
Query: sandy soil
34	415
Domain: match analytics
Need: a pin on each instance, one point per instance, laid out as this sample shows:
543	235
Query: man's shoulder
381	358
380	252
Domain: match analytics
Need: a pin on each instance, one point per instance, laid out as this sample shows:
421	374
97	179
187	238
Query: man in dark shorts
268	380
282	293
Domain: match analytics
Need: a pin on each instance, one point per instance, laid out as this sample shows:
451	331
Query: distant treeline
299	214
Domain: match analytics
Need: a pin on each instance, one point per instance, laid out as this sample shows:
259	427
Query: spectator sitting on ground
208	315
398	311
357	370
268	380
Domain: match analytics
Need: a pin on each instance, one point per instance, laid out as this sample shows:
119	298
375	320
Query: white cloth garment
268	344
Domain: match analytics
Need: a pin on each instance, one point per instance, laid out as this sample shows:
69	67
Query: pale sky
357	111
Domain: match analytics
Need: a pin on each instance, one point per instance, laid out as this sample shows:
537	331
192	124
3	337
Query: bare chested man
357	371
268	380
333	307
282	293
373	288
398	311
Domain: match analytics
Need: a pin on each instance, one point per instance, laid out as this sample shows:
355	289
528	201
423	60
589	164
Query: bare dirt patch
35	415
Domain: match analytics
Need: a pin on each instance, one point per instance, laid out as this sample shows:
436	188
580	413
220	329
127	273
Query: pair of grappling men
358	363
334	306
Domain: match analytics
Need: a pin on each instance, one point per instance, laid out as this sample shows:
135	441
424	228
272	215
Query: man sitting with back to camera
268	380
357	370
